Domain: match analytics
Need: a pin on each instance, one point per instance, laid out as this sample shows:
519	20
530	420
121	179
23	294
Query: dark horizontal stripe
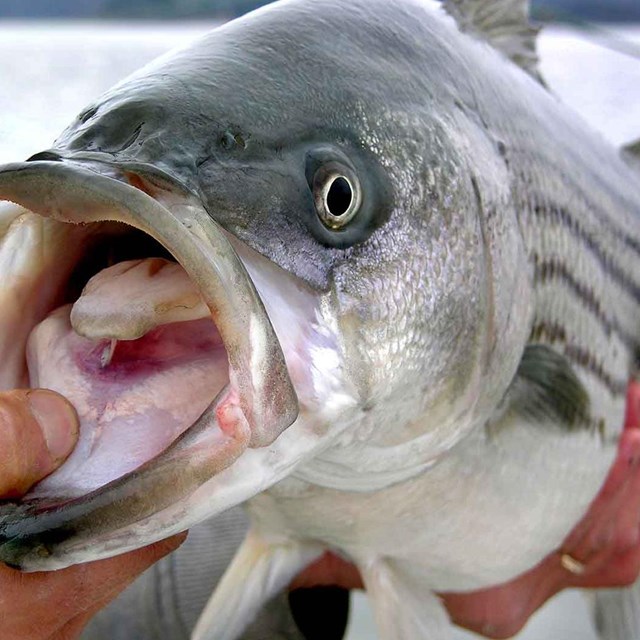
564	217
553	269
577	191
552	332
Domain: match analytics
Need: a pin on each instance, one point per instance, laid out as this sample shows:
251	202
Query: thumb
38	430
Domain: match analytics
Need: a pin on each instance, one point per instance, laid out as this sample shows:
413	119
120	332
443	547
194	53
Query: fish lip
31	532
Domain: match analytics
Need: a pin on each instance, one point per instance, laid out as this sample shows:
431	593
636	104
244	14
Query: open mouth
146	319
137	353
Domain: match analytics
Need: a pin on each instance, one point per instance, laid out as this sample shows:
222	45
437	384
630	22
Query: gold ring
572	565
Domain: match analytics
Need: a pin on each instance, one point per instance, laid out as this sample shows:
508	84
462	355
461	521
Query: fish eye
348	195
337	195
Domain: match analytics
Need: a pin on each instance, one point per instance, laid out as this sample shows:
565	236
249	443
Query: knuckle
601	541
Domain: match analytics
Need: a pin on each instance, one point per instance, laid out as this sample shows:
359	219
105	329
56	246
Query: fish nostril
87	114
45	155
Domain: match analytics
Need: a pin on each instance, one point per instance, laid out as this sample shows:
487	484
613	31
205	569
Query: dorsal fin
504	24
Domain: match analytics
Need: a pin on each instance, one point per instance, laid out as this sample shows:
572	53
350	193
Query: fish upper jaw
251	412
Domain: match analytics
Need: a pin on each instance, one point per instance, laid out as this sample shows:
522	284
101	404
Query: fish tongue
129	299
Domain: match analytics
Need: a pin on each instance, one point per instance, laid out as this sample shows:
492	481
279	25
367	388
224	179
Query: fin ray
617	613
504	24
403	610
546	390
259	571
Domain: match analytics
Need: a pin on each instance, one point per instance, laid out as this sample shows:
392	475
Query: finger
617	562
606	524
626	464
38	430
501	611
621	570
72	629
50	600
628	516
632	415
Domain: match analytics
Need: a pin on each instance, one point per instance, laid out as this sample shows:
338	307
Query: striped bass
346	261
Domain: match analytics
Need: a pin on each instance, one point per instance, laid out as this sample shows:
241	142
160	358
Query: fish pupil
339	197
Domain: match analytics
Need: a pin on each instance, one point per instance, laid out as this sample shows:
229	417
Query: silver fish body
456	352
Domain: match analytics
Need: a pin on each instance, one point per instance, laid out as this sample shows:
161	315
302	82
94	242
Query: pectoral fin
403	610
259	571
617	613
547	391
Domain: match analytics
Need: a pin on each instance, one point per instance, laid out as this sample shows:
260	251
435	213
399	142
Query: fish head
335	211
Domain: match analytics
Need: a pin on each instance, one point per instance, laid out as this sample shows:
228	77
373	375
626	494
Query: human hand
38	430
602	551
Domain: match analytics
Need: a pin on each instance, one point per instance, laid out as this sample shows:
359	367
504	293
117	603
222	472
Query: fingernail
57	419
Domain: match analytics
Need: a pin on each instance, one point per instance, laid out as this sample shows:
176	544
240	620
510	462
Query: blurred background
608	11
58	55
